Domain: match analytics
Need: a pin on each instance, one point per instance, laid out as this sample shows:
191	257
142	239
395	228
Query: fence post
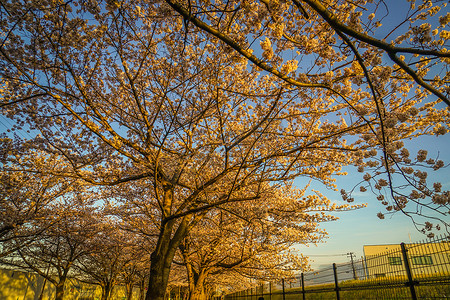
282	283
270	290
410	282
336	281
303	286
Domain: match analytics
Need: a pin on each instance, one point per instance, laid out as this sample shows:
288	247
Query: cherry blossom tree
53	254
104	259
135	269
197	106
26	198
254	240
115	256
388	76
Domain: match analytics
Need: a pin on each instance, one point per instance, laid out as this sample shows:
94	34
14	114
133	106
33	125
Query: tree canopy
180	111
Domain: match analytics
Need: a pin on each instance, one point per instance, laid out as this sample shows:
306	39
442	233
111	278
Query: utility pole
352	254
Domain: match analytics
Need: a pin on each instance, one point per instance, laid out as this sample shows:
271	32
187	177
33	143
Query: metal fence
405	271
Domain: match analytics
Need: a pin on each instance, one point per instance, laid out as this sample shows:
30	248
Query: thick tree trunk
197	291
159	275
129	289
161	259
142	289
106	290
191	277
60	290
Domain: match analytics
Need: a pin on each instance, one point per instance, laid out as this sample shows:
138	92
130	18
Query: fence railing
405	271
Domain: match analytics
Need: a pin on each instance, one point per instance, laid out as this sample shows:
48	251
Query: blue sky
362	227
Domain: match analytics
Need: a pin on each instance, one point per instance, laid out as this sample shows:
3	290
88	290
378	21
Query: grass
429	287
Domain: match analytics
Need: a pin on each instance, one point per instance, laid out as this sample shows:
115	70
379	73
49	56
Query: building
424	259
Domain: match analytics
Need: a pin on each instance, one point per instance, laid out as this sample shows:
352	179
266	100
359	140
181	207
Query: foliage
26	198
181	111
253	240
53	253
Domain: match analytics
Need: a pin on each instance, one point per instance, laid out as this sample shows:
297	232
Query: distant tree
114	256
53	254
135	269
206	104
104	259
26	198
